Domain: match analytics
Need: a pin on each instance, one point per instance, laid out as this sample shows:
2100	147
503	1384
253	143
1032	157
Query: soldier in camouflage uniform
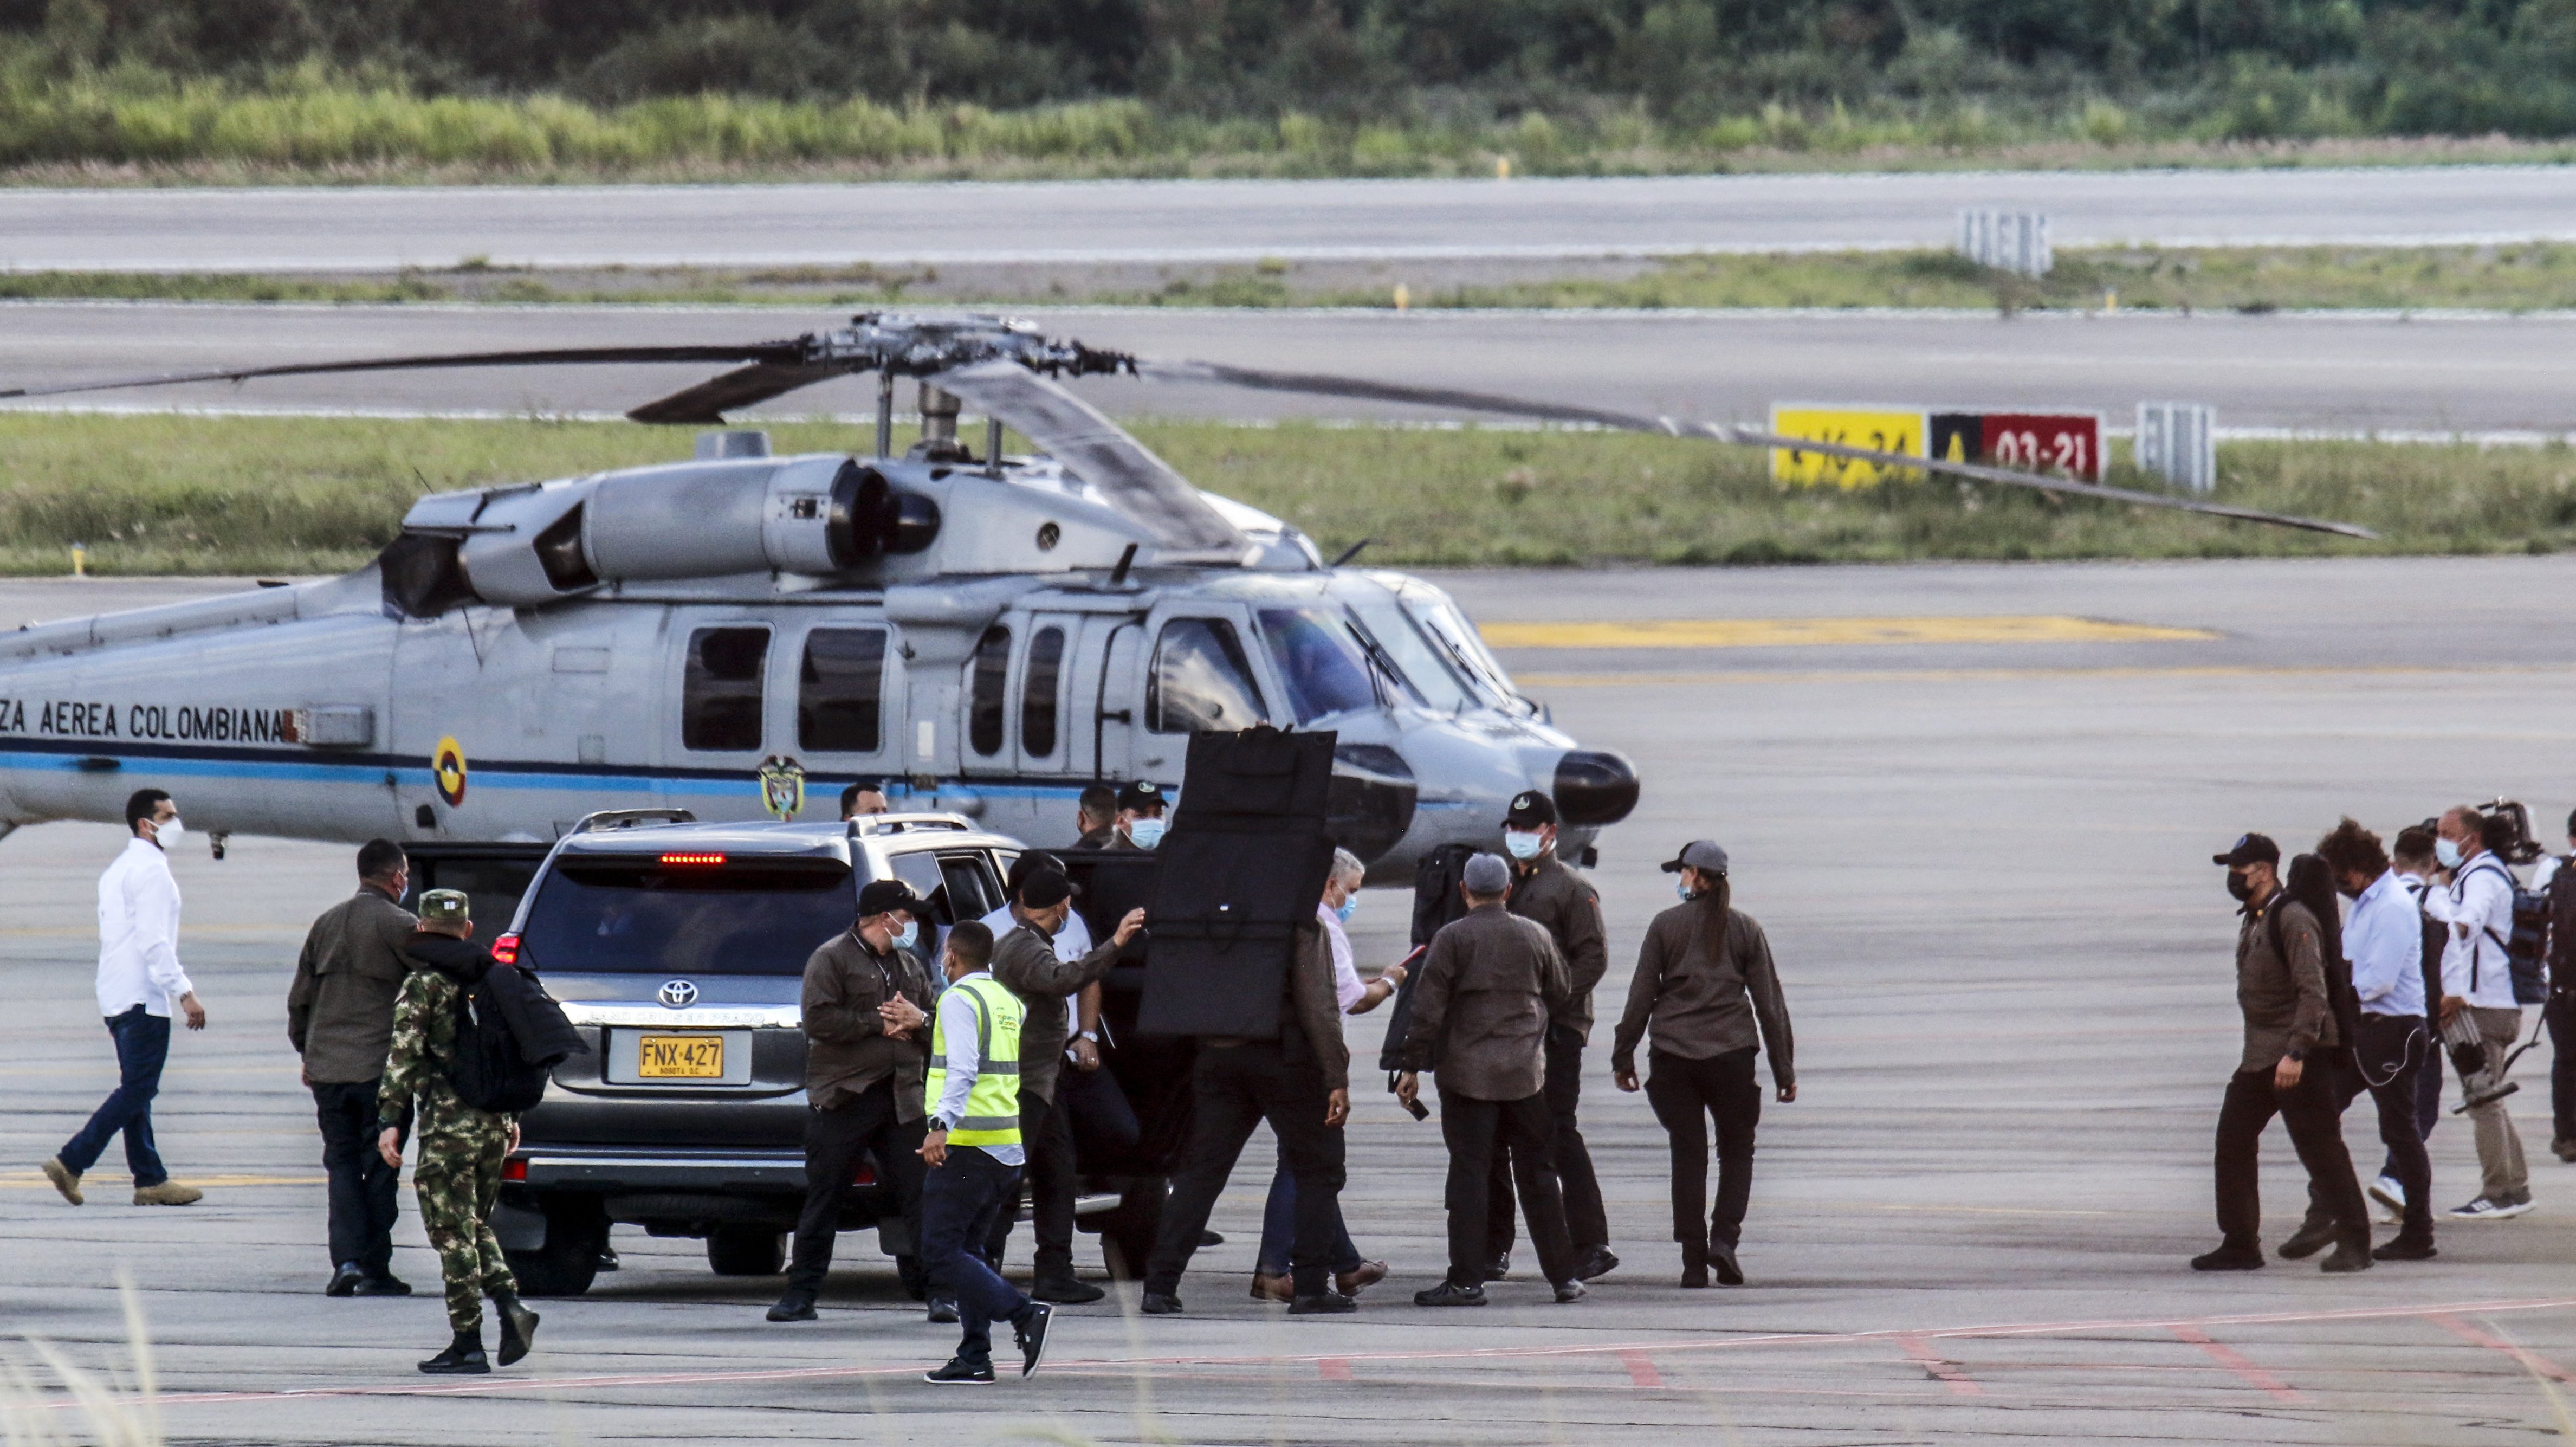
458	1174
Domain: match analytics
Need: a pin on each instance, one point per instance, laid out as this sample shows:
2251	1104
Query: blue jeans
1279	1229
959	1200
142	1047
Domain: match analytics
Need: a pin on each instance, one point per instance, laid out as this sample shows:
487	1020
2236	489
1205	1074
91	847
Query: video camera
2508	831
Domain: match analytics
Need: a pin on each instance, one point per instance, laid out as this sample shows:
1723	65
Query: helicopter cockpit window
992	677
1201	679
1426	671
1321	663
1038	688
720	699
840	690
1458	639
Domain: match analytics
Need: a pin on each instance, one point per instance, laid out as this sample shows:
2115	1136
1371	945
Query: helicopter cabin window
720	699
1201	679
840	690
1039	685
1319	660
988	702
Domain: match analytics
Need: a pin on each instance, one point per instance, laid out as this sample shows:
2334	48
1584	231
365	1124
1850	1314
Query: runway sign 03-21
2062	442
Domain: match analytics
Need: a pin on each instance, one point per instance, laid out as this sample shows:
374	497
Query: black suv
679	950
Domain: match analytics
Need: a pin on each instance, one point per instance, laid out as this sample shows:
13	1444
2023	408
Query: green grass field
177	494
2530	276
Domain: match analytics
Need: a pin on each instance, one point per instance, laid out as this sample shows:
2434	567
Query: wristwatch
1091	1035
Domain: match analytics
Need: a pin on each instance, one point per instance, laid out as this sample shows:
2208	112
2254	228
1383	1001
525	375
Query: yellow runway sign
1880	430
1831	632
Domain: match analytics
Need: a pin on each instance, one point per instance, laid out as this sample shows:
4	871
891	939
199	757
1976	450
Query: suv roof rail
867	824
628	819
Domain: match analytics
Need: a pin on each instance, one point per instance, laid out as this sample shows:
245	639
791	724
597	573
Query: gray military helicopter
734	633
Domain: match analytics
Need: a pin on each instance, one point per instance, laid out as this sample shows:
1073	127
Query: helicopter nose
1594	786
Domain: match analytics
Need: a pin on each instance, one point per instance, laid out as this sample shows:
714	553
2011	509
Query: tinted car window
839	689
1201	679
1322	665
720	699
636	916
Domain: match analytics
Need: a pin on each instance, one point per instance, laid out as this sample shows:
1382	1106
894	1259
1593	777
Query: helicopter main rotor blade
777	352
1326	385
708	401
1097	450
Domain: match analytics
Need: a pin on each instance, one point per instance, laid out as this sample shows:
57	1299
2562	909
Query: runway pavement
1983	866
2324	372
380	228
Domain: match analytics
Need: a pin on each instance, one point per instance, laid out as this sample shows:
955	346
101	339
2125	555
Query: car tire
569	1261
746	1251
1127	1234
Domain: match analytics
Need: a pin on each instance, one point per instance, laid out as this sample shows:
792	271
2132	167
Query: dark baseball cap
1143	794
1699	854
1045	889
1036	861
2249	849
1530	809
1486	874
884	896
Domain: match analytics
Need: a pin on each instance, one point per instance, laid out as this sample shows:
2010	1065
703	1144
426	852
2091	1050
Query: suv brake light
691	861
505	948
515	1169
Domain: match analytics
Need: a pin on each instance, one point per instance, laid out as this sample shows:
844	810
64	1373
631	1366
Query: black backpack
1435	903
2310	883
2534	916
510	1035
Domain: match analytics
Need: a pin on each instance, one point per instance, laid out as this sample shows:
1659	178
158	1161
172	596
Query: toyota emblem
679	994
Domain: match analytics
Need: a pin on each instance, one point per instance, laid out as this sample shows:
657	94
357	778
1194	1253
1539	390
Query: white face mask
2447	852
1522	846
1146	833
169	831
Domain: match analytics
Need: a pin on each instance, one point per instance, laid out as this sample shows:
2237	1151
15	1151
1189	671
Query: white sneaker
2488	1209
2391	1198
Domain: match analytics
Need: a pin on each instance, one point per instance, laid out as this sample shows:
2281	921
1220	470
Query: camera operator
2384	942
2477	976
2286	1070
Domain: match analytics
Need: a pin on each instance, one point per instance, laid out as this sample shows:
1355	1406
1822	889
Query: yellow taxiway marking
1832	632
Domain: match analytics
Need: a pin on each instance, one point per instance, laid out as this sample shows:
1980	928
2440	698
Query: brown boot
65	1179
168	1193
1272	1288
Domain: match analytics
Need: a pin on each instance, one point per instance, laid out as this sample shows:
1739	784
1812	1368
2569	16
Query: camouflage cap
445	905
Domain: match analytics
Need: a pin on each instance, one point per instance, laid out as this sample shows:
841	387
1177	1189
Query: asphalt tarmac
379	228
1983	867
2317	371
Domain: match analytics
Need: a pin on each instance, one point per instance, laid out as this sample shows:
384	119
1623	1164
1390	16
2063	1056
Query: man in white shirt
138	978
2477	976
2383	939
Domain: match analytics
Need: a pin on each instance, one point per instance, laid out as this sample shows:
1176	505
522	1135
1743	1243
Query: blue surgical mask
1146	833
904	937
1522	846
1346	908
2447	852
1683	892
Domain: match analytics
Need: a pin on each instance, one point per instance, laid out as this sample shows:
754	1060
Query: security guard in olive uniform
462	1149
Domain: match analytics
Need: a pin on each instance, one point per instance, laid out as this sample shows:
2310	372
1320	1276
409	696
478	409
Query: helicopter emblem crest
782	786
447	770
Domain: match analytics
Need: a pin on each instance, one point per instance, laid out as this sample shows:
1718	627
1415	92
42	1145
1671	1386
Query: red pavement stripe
1334	1369
1641	1370
1664	1347
2235	1361
2531	1360
1951	1375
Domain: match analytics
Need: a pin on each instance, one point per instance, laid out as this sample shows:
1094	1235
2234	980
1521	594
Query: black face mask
2239	887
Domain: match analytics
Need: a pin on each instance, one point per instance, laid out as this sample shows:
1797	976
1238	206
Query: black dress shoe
1721	1258
1569	1292
608	1258
1159	1303
2351	1253
1066	1291
2230	1257
344	1282
1323	1303
385	1285
1450	1293
794	1306
463	1357
1597	1262
2403	1248
1211	1238
518	1327
943	1310
2311	1238
1500	1267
